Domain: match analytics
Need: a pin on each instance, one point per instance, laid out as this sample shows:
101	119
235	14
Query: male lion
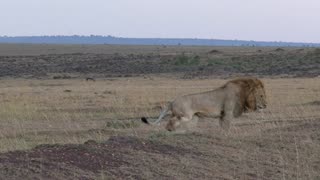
225	103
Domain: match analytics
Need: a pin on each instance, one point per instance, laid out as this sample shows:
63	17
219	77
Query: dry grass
42	111
35	112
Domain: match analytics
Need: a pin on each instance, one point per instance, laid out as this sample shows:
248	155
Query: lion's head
173	123
260	99
253	95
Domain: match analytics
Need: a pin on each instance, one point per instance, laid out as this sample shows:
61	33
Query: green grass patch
183	60
215	62
121	124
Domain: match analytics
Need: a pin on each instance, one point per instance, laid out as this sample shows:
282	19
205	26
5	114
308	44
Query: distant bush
212	62
279	50
214	51
317	51
183	60
63	76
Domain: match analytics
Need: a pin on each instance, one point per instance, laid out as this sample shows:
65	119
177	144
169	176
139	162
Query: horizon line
193	38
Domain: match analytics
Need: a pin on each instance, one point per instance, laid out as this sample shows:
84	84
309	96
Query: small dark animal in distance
90	79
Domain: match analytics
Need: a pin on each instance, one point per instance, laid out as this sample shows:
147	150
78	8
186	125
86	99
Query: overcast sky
268	20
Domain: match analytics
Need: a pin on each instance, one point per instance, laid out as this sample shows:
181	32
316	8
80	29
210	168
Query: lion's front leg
228	113
192	124
225	120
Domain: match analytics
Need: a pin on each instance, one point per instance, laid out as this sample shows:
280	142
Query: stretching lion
225	103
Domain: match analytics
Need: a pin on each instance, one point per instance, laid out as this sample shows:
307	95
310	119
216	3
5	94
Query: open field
283	142
56	125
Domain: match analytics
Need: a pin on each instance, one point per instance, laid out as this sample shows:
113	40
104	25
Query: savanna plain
73	112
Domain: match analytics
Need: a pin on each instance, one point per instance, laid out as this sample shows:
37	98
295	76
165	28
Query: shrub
183	60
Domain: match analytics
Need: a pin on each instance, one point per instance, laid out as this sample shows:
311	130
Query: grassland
70	128
52	61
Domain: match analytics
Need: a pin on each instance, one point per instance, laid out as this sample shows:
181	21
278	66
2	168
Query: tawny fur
225	103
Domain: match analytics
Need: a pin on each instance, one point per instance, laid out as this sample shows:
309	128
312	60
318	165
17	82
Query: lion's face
256	99
261	98
173	123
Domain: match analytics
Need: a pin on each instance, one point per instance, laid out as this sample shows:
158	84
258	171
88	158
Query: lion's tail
161	116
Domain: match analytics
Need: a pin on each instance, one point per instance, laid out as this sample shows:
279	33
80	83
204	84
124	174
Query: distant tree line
93	39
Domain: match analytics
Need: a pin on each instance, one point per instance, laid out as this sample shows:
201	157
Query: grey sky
270	20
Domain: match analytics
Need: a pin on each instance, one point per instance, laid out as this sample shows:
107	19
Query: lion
226	102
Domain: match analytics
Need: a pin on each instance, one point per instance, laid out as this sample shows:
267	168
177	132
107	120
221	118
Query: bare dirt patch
288	153
90	158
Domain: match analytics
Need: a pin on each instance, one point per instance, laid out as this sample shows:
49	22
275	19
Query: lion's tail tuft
162	114
144	120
